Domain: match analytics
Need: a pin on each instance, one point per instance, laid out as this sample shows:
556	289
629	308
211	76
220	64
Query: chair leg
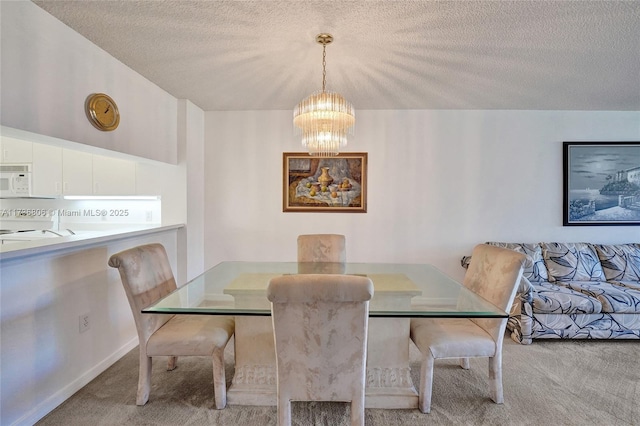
172	363
357	410
426	383
219	379
495	378
144	378
464	363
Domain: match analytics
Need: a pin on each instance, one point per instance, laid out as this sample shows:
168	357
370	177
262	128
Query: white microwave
15	180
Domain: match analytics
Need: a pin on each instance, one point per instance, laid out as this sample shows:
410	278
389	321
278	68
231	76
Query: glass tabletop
400	290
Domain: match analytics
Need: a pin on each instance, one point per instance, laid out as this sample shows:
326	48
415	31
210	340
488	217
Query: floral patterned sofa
576	291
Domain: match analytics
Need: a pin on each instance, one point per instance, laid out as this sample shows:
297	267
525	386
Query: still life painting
601	183
325	184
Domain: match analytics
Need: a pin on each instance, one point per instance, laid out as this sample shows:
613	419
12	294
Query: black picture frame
601	183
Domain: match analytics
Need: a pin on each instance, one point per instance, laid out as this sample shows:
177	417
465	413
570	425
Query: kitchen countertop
17	250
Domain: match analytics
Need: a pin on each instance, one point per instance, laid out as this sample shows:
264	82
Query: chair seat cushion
451	338
197	335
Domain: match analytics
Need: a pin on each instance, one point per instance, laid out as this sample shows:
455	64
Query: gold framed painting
336	184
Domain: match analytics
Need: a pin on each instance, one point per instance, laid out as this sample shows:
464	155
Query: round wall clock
102	112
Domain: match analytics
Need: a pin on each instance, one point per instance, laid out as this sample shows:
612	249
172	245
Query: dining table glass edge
238	288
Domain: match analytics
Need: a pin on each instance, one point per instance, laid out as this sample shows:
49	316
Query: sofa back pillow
534	268
620	262
572	262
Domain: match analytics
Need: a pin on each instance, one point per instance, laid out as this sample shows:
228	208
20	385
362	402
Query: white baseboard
46	406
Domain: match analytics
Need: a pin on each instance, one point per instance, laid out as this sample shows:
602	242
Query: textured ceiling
253	55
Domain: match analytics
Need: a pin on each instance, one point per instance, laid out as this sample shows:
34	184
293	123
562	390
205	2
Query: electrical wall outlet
83	323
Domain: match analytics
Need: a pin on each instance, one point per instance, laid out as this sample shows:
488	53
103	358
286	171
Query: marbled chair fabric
320	328
322	248
494	274
146	276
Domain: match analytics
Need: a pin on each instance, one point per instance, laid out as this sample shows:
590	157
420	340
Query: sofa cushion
619	262
635	285
534	269
614	298
549	298
572	262
586	326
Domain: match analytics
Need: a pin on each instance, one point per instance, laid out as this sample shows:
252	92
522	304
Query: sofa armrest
521	318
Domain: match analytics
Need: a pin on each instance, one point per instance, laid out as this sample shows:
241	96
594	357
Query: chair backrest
322	248
146	275
494	274
320	326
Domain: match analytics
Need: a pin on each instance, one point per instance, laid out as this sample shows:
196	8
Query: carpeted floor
547	383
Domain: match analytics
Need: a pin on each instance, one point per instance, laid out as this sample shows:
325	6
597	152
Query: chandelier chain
324	67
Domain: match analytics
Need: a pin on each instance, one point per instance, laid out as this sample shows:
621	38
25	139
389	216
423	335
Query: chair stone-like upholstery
146	276
322	248
320	329
494	274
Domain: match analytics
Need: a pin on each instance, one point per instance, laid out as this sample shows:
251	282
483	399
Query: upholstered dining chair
494	274
146	276
322	248
320	326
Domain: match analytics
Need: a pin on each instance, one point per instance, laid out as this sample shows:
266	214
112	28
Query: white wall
191	152
439	183
48	70
44	358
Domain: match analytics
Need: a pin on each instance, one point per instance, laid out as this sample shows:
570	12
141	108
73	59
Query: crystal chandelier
324	119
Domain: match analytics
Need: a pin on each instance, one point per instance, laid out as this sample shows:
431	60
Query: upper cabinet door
15	150
47	170
113	176
77	172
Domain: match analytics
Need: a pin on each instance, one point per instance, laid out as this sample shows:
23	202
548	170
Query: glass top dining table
400	290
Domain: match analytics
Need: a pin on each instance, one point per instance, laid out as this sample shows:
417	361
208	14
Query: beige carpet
547	383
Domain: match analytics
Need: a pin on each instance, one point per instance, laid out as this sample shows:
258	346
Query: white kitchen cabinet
77	172
15	150
60	171
46	175
113	176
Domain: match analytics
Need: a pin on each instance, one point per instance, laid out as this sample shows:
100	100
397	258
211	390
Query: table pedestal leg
389	382
254	381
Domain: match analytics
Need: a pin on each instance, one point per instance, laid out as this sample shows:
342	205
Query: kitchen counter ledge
19	250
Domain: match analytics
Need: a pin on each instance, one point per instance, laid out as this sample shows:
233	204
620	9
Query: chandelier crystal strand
324	119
